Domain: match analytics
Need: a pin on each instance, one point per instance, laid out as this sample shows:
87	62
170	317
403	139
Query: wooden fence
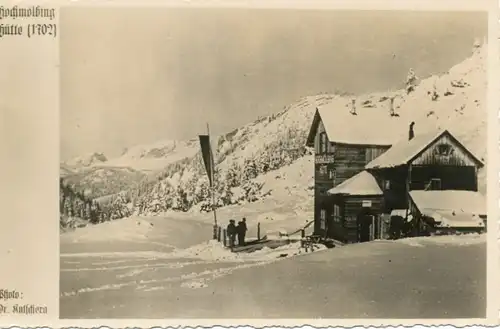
220	234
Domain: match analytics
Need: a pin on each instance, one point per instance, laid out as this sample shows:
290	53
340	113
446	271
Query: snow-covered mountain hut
366	165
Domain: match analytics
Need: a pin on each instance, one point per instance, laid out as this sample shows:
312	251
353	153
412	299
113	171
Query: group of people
239	231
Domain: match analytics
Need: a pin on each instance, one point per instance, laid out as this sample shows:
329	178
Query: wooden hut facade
436	164
339	156
359	185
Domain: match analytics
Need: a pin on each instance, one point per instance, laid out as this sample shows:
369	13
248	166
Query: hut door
365	227
374	227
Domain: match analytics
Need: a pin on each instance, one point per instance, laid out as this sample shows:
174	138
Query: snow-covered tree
202	190
250	169
226	195
233	175
252	191
411	81
263	161
189	188
180	202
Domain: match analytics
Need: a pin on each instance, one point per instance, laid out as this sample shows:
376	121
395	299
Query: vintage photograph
272	163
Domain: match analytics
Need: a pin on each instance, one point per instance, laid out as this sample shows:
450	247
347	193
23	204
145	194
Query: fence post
258	231
302	237
224	237
219	233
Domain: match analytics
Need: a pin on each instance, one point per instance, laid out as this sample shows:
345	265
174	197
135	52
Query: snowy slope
101	181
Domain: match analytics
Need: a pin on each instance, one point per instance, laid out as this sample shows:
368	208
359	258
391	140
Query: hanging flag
208	159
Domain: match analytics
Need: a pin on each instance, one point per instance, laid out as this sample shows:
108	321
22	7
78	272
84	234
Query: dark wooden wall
340	163
322	183
336	229
396	196
456	157
452	177
352	159
350	207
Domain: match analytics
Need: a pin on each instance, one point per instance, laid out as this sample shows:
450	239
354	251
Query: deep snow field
166	267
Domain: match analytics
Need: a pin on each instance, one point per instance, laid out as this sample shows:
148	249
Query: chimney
411	132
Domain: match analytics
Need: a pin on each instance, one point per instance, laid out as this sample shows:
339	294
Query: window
322	219
444	149
336	213
322	143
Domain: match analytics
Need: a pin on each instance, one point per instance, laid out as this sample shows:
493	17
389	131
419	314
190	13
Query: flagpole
212	176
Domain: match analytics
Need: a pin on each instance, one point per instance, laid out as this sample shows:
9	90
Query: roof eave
447	132
356	195
379	167
312	129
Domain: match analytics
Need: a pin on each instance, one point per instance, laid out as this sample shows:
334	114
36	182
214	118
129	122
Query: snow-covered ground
450	240
146	268
167	267
149	254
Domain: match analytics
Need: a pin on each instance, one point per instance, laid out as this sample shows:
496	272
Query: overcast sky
132	76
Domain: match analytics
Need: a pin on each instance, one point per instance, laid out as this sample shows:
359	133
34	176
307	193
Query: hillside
266	160
100	181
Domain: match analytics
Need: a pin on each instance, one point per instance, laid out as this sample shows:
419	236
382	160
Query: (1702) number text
42	30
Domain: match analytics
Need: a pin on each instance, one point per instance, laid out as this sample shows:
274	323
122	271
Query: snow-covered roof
468	202
368	127
361	184
455	220
403	151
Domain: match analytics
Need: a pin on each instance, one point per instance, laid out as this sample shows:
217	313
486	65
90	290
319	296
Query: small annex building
448	211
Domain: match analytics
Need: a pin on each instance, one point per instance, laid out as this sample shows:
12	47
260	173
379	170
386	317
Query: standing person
239	230
242	231
231	232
